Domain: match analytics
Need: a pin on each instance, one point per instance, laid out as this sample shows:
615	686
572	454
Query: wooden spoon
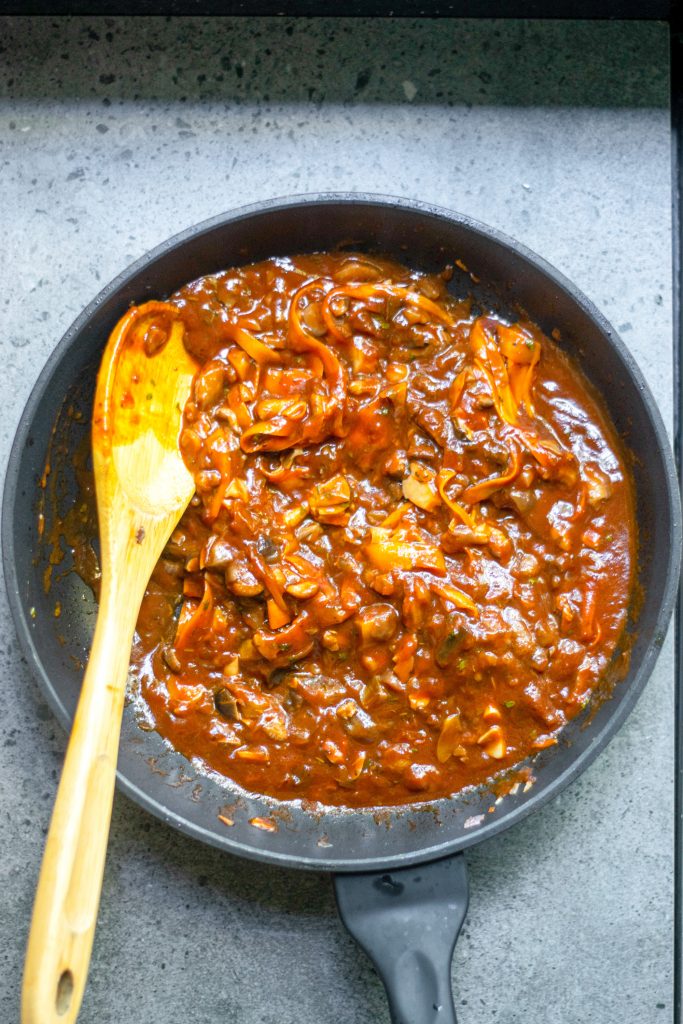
143	488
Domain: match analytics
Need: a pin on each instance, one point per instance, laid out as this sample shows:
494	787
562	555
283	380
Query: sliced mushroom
524	566
449	737
355	269
493	742
208	385
420	776
396	465
421	447
241	581
171	658
329	501
226	705
433	422
331	640
274	722
267	548
287	644
302	589
377	622
218	554
361	727
599	486
420	488
522	500
207	479
312	319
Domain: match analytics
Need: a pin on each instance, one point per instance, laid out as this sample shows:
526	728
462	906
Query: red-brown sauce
409	557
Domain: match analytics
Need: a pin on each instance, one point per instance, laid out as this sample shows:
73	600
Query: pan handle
407	921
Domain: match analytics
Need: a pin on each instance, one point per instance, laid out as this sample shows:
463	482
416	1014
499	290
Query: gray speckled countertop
114	134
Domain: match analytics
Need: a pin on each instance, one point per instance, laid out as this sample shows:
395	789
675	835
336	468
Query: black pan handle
407	921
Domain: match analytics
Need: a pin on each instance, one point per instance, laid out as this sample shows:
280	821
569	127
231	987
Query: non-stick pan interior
508	277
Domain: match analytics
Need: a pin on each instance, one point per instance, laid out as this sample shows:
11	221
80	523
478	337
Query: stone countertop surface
115	134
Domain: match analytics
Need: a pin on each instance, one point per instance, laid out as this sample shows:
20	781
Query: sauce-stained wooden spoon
142	488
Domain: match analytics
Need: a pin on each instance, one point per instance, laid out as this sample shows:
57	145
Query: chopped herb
509	703
449	647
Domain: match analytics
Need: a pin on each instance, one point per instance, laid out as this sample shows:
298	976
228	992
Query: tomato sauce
409	557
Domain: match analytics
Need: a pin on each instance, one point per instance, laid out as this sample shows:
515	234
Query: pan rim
636	685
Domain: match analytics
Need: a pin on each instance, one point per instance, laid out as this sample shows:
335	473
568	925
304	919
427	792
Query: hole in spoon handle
65	990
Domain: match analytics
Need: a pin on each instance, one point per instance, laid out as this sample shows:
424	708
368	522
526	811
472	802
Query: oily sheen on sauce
409	557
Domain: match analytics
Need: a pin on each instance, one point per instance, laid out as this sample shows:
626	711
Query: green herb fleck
449	647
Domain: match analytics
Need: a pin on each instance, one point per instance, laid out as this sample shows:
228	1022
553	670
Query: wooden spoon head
143	384
141	481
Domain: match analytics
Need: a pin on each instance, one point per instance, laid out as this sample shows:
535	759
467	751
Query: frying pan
400	877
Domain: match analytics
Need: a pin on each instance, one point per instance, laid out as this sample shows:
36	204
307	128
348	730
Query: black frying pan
401	883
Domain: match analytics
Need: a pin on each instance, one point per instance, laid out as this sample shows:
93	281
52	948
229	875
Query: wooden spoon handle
68	894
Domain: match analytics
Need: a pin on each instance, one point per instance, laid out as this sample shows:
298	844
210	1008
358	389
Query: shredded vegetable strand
522	353
407	295
450	593
194	617
443	478
222	458
507	357
546	451
303	340
274	435
388	551
490	362
255	349
265	573
483	490
329	319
